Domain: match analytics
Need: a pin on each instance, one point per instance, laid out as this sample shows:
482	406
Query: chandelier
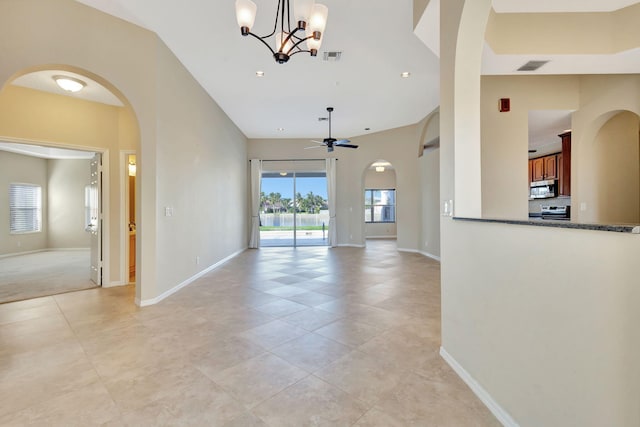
306	32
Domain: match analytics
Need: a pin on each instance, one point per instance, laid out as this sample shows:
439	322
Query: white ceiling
44	152
43	80
377	44
365	88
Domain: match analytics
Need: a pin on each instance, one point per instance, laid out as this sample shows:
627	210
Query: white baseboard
114	284
23	253
152	301
68	249
432	256
350	245
42	250
382	237
415	251
497	410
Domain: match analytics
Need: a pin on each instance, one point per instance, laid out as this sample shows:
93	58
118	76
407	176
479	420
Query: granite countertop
539	222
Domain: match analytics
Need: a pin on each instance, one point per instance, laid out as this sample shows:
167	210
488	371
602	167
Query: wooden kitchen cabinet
537	169
543	168
564	165
550	169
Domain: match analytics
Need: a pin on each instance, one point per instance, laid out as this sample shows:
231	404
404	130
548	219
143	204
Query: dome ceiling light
70	84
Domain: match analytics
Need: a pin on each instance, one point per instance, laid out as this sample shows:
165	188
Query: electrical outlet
583	206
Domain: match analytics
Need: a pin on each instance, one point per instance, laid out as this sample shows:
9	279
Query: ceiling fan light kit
310	20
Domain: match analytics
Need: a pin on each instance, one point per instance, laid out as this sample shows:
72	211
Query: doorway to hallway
294	209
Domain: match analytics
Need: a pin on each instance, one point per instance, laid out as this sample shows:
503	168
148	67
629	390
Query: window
379	205
25	208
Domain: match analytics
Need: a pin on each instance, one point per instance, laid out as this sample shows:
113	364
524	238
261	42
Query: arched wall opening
379	208
429	169
39	115
610	167
494	306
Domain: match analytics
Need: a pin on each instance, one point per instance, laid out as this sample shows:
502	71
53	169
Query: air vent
532	65
323	119
332	56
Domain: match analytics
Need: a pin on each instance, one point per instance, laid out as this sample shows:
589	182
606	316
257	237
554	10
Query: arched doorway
97	119
380	220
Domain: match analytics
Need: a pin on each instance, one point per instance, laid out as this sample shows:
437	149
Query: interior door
95	218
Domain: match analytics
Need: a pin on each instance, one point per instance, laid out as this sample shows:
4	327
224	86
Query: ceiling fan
330	142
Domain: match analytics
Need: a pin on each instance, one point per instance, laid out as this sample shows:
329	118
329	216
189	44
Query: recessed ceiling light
379	168
280	129
405	74
69	84
259	73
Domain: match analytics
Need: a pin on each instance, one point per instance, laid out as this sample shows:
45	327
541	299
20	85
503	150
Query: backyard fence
286	219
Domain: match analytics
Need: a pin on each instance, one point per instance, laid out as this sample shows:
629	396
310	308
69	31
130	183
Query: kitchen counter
539	222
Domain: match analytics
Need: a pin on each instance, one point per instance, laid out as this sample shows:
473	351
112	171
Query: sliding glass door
293	209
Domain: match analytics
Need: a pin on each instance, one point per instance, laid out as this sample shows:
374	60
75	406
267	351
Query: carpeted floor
44	273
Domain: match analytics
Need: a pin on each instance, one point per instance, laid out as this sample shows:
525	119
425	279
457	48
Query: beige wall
380	180
429	166
203	168
134	64
562	33
616	171
66	205
549	353
16	168
45	118
397	146
505	137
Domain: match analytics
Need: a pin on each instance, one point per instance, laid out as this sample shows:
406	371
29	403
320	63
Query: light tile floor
275	337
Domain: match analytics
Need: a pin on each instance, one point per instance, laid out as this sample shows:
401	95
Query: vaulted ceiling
377	41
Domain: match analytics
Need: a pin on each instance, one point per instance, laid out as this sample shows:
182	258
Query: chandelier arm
298	51
296	45
275	24
288	15
289	37
263	42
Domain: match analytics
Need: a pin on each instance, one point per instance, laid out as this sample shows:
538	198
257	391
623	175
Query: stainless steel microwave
543	189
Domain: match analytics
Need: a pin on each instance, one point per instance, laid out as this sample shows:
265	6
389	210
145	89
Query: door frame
124	215
106	220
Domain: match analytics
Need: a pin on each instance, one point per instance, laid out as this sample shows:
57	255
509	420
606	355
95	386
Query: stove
556	212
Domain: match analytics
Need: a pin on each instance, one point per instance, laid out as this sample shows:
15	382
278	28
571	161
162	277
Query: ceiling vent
332	56
323	119
532	65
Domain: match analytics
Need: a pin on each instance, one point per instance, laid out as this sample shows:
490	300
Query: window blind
25	208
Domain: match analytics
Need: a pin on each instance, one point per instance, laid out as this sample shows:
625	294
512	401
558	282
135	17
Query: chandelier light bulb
318	20
302	11
246	14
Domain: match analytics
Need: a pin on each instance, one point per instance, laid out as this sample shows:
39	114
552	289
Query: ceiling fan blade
346	145
341	141
313	146
317	142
